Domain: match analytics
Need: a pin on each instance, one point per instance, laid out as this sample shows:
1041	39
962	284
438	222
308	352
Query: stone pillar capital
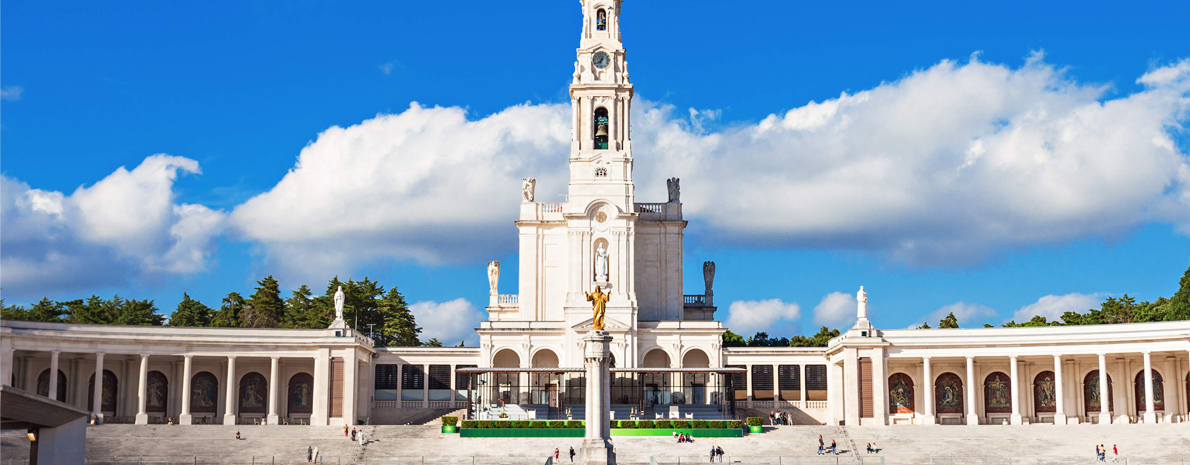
231	357
188	356
55	352
144	355
276	358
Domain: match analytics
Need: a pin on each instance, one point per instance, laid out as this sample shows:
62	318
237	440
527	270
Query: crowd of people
1101	453
780	418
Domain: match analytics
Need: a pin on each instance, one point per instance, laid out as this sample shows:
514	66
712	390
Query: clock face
601	60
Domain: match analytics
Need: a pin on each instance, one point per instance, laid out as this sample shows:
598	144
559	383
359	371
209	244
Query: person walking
820	445
719	452
571	453
315	455
344	430
1115	453
833	449
361	438
555	454
309	453
237	435
713	453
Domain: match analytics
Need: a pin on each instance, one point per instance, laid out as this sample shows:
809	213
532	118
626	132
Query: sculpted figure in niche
493	275
339	298
675	192
601	264
527	187
599	305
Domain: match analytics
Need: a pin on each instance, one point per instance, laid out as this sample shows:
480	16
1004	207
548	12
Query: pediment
609	324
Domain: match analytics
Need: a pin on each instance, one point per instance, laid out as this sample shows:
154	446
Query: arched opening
301	391
156	392
204	392
1045	399
254	393
506	386
657	386
696	358
694	385
656	358
544	388
43	385
107	397
948	393
601	129
900	394
997	393
1158	392
1091	396
545	358
601	20
506	358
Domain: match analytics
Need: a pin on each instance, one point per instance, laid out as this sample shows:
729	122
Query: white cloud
12	93
124	227
746	317
1053	306
969	315
837	310
450	322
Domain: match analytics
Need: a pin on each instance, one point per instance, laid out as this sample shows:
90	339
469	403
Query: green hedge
522	424
753	421
450	421
621	424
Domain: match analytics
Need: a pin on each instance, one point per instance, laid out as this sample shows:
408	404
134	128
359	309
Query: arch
948	393
545	358
108	397
696	358
156	392
601	20
1045	398
204	392
1091	396
300	393
506	358
611	360
1158	391
601	128
656	358
997	393
900	394
254	393
43	384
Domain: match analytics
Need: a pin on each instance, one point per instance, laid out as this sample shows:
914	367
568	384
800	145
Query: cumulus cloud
450	322
746	317
1053	306
124	227
836	310
969	315
12	93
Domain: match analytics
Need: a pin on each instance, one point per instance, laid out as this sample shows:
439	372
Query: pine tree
433	342
138	312
1178	307
228	315
265	308
46	310
191	312
398	328
949	322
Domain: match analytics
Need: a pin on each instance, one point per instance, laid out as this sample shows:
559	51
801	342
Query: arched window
254	393
301	391
1091	396
601	128
948	393
997	393
601	20
601	172
204	393
900	393
156	392
108	396
1158	392
1045	399
43	385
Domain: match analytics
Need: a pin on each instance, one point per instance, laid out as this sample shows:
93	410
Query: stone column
53	392
273	369
1150	414
6	368
597	448
851	387
318	415
230	384
880	386
142	418
1015	386
97	394
350	365
185	418
802	377
1059	393
928	391
748	378
972	413
1104	392
776	384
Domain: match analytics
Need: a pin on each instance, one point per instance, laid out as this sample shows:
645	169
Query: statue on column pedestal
339	297
862	297
599	305
493	275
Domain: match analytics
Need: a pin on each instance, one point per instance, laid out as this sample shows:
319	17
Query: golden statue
599	304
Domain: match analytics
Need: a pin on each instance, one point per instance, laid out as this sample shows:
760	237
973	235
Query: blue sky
236	90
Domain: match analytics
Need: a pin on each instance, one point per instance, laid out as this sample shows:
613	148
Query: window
413	380
387	376
601	172
463	381
816	382
762	382
739	383
439	382
790	379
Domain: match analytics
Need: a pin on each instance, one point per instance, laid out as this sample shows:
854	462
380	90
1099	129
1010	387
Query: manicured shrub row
450	421
677	424
522	424
753	421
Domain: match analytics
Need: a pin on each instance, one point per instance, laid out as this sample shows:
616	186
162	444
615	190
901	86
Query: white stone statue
339	297
601	264
528	185
862	297
493	275
675	192
708	274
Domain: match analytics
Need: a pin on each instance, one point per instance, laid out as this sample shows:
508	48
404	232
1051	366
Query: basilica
667	354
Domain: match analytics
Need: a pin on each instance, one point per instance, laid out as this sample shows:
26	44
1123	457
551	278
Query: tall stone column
597	448
321	387
1104	392
880	386
928	391
273	367
229	409
851	387
185	418
142	418
1150	414
1059	393
6	368
776	384
1015	386
802	386
972	413
97	394
53	392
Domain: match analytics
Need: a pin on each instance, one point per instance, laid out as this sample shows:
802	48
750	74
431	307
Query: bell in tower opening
600	128
601	20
